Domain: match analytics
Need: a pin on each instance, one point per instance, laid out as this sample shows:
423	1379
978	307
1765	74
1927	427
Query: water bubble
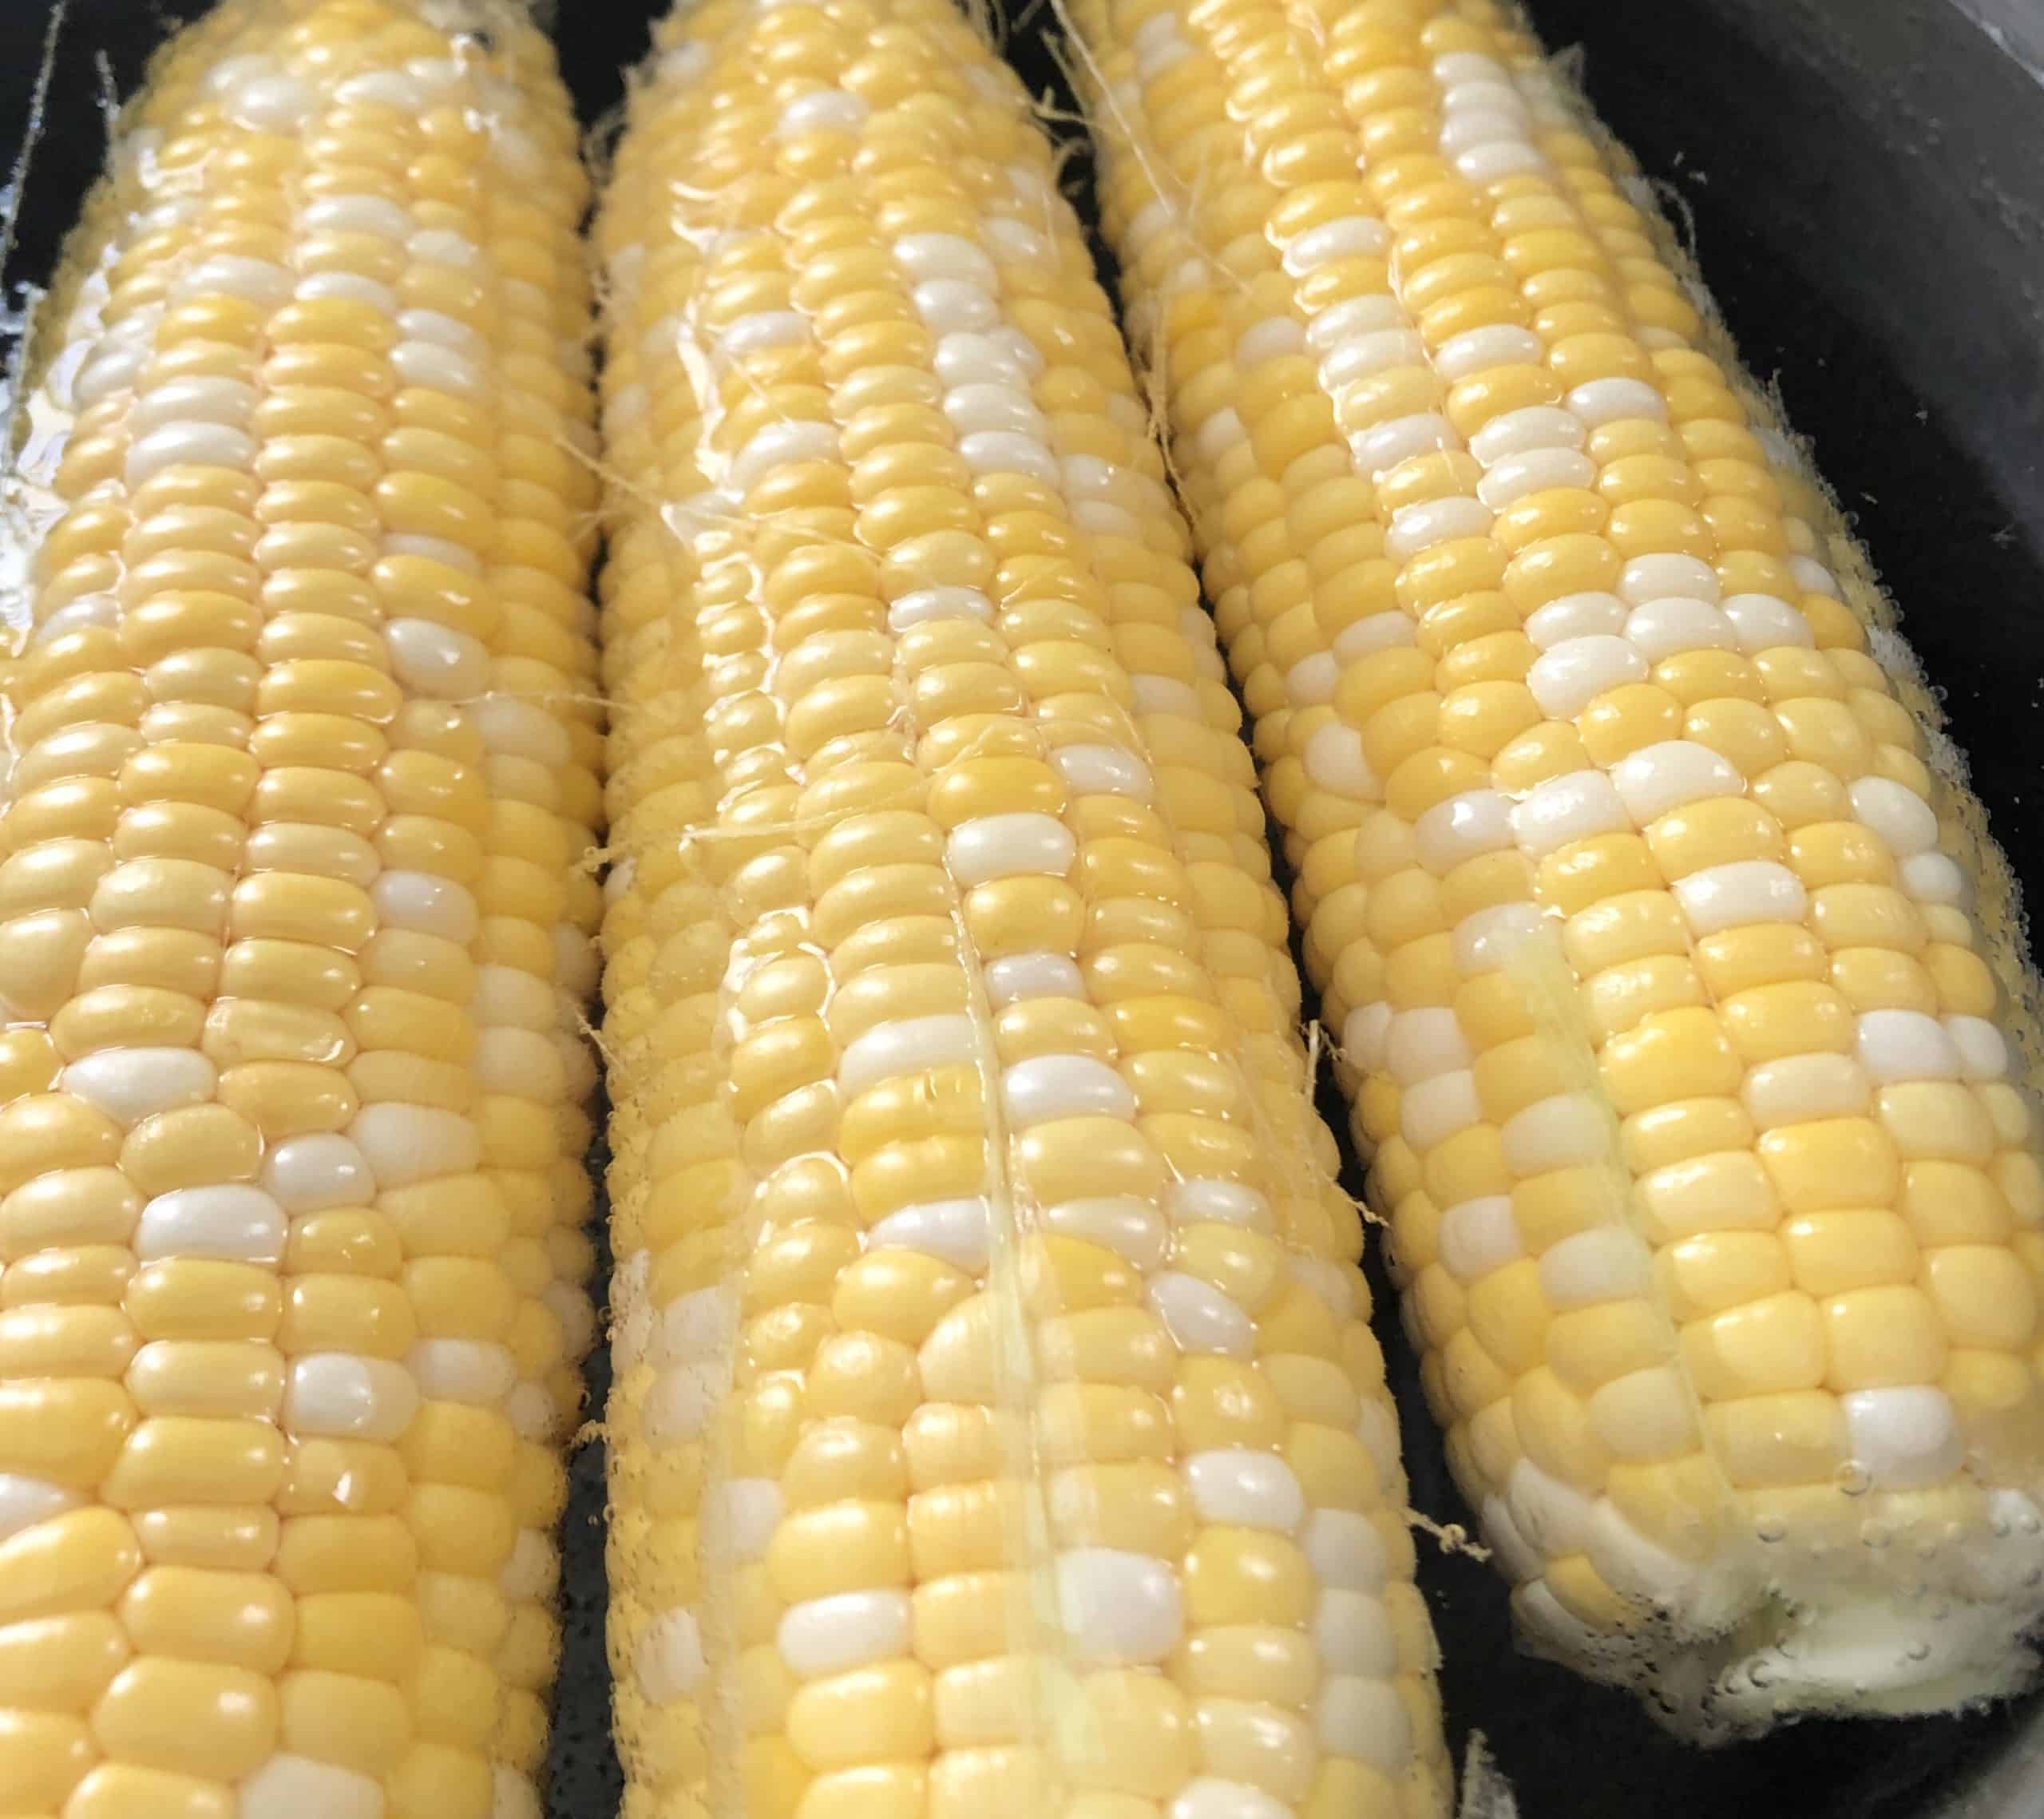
1770	1529
1917	1652
1854	1479
1875	1534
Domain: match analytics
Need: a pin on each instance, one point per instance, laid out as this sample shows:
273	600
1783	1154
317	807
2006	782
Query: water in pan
1812	273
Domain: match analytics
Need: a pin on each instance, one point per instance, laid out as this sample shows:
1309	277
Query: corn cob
298	771
1642	918
997	1428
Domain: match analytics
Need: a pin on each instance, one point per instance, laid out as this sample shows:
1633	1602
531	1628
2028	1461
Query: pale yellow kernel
1878	1336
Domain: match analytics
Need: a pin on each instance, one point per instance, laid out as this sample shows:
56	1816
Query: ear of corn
290	942
1642	919
997	1429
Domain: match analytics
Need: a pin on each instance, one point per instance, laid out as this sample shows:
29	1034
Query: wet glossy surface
1808	267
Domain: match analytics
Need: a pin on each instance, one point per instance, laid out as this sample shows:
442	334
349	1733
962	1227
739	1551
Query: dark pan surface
1866	179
